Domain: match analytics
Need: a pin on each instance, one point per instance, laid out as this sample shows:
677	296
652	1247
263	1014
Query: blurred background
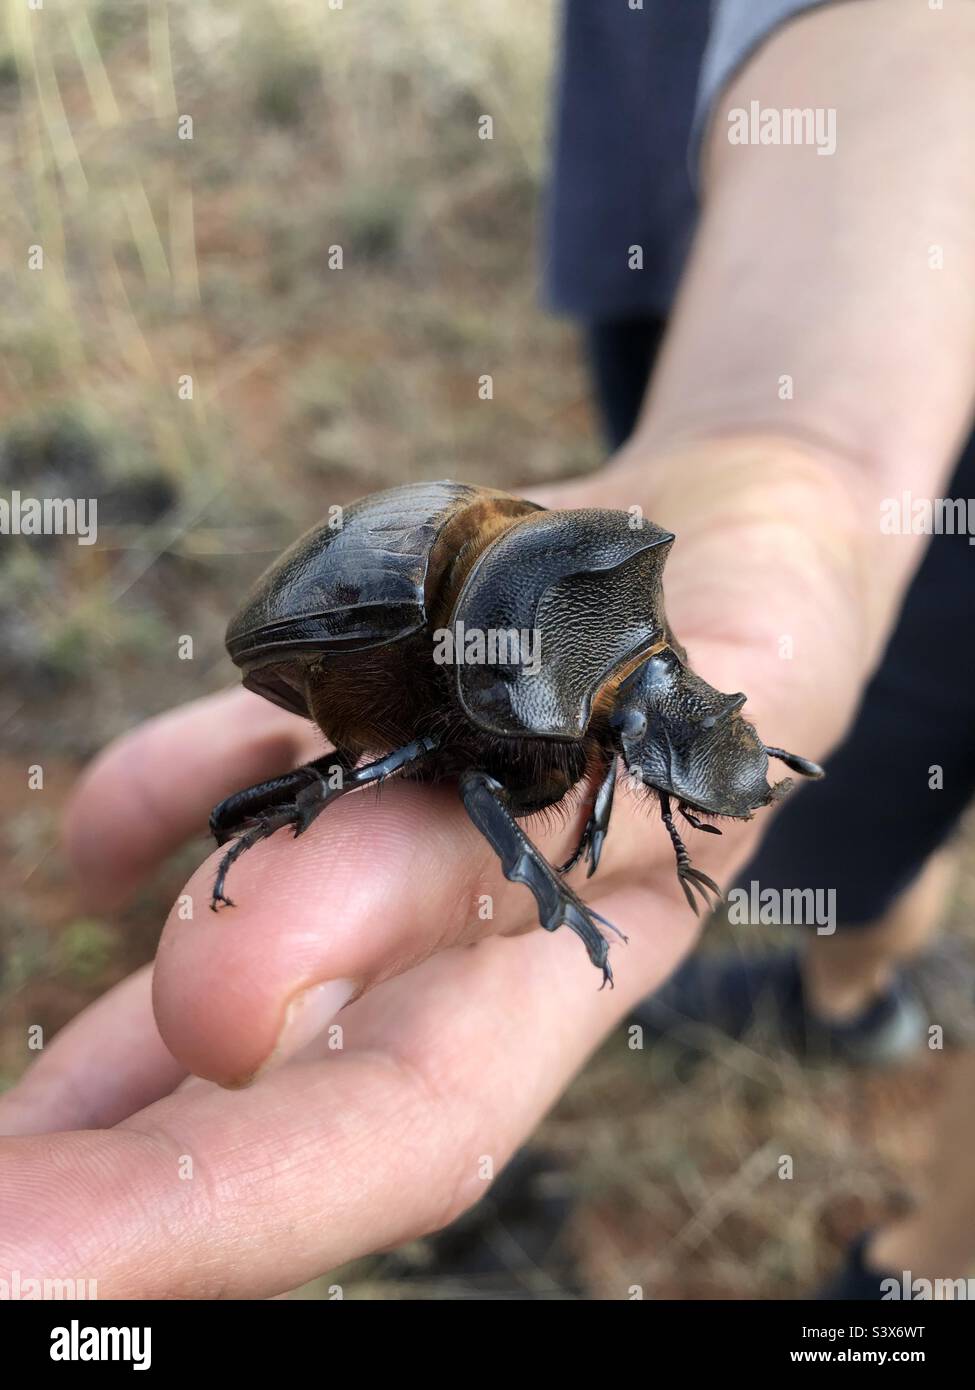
187	356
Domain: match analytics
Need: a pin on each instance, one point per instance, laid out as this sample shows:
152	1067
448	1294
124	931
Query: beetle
448	632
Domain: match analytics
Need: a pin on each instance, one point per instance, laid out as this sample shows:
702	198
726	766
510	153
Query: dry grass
209	257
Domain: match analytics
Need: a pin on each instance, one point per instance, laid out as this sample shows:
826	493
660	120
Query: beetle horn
804	766
731	705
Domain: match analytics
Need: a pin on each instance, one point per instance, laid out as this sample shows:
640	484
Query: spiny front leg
689	876
522	862
597	826
314	787
313	798
232	814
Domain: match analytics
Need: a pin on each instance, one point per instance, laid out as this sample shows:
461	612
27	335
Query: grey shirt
636	88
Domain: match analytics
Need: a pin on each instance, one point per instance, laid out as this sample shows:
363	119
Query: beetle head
683	737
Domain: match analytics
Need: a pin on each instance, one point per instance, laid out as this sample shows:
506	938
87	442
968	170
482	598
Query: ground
190	352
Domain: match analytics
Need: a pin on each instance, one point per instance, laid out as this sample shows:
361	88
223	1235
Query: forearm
819	269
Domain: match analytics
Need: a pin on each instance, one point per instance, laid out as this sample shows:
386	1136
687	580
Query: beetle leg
319	793
235	811
597	826
689	876
310	799
522	862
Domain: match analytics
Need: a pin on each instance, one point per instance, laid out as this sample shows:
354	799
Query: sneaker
730	994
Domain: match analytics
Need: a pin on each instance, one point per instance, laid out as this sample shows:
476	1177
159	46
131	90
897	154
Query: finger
153	789
367	893
245	1194
107	1063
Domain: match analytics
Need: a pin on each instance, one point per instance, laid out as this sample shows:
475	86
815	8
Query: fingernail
308	1015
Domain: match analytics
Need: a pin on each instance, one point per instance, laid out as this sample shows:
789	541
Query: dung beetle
455	633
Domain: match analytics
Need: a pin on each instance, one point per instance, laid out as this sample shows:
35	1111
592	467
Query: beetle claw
691	880
691	900
702	878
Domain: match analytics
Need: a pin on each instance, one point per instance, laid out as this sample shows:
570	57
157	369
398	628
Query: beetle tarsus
689	877
265	826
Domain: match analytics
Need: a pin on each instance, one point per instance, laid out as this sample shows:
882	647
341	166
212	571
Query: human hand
459	1037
